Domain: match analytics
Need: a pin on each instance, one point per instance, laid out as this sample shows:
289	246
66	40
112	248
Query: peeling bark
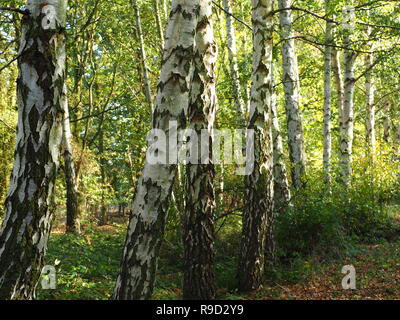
147	222
41	95
259	213
198	238
291	84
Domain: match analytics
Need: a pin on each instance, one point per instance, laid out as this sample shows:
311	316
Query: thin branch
24	12
233	16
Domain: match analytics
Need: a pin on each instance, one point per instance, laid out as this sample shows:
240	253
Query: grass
87	266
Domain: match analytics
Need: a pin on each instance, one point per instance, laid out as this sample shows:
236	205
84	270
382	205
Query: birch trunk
258	213
198	238
327	97
146	226
146	78
291	84
370	102
337	71
281	183
347	134
70	177
234	69
41	101
159	23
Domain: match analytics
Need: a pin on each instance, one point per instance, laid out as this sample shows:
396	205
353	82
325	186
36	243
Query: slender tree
41	102
291	85
146	227
259	184
233	63
337	71
370	99
70	177
143	55
198	237
347	132
327	96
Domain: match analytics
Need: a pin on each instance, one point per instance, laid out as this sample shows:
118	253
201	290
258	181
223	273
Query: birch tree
291	85
347	132
281	183
198	238
337	71
327	96
41	95
234	69
146	78
370	99
258	211
146	226
70	175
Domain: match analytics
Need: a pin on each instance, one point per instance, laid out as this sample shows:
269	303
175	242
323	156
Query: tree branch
24	12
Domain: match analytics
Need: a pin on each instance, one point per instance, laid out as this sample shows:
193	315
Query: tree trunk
370	101
258	213
198	238
146	78
291	84
387	126
41	101
159	23
234	69
327	97
337	71
147	222
70	178
347	134
281	183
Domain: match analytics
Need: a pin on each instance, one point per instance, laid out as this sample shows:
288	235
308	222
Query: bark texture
337	72
198	234
347	132
281	183
370	101
291	84
41	96
259	213
146	226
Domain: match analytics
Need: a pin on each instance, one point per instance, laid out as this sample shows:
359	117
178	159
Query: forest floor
87	265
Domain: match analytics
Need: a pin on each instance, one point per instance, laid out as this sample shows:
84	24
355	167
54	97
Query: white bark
291	84
370	100
281	183
327	97
146	226
198	238
347	134
41	100
258	215
234	69
337	71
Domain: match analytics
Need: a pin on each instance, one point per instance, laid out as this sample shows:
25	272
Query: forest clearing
199	150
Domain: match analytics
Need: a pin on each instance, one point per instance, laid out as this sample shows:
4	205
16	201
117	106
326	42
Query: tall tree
370	99
291	83
72	224
337	72
347	132
146	227
143	55
327	95
258	211
41	102
198	237
233	63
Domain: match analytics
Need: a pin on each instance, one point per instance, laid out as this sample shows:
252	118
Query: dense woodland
84	82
